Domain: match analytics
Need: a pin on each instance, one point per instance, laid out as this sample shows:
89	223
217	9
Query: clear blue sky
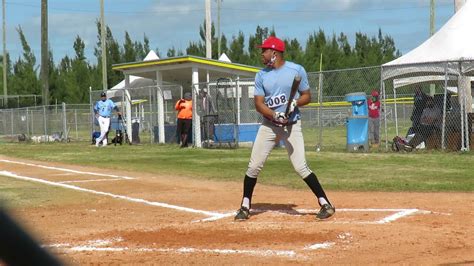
169	23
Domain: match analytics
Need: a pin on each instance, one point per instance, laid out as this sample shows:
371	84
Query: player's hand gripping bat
294	89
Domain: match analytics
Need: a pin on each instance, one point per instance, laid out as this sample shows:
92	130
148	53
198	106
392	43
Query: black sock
313	183
249	185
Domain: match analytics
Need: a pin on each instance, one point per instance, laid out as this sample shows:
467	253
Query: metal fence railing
19	101
441	115
46	123
147	111
224	114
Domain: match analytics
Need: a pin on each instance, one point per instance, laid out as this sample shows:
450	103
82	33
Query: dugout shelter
188	72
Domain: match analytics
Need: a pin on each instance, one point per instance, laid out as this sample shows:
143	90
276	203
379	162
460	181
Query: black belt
105	116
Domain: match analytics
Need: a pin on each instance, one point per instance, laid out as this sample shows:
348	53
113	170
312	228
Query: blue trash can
358	122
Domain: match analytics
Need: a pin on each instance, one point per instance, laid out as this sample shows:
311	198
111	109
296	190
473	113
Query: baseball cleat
325	212
242	214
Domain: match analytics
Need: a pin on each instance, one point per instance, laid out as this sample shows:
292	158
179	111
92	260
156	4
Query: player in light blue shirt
275	86
105	107
272	92
103	110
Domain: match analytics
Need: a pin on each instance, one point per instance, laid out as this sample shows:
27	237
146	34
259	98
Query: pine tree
237	49
254	40
25	79
129	52
114	56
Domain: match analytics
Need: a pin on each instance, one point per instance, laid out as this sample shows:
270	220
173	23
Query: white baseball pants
267	137
104	123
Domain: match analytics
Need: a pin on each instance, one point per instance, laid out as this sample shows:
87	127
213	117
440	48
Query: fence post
27	122
396	110
12	120
443	128
150	119
65	131
384	107
237	100
237	111
161	116
75	123
32	122
44	120
320	99
91	112
196	117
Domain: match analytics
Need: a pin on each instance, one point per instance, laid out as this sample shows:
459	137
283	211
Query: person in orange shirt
185	116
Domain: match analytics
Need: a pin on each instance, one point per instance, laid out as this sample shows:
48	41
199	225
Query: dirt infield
136	218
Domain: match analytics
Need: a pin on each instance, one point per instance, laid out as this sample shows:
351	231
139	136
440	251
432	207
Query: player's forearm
264	110
304	99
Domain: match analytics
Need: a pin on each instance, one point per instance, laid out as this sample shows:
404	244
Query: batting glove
280	119
293	106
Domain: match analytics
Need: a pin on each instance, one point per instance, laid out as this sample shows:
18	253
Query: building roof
179	69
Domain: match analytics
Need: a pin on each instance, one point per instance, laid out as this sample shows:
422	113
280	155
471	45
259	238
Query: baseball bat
294	89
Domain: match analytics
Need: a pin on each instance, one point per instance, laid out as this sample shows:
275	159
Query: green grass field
337	170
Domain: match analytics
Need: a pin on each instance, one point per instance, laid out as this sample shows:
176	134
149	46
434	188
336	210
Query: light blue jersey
275	85
104	108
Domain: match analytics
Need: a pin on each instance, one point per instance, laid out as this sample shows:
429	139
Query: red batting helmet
375	93
274	43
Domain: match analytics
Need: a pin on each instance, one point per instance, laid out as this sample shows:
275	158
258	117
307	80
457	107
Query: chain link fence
46	123
18	101
147	112
225	115
441	112
324	119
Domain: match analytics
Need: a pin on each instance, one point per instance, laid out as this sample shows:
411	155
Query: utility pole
103	46
432	18
208	30
5	90
218	28
432	30
44	51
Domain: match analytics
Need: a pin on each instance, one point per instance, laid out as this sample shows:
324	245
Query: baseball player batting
273	99
103	110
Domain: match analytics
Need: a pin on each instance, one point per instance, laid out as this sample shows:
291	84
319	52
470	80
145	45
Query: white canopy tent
452	43
447	55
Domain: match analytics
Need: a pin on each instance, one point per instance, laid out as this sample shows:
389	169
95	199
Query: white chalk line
216	217
182	250
213	216
137	200
107	245
90	180
62	174
324	245
65	169
399	213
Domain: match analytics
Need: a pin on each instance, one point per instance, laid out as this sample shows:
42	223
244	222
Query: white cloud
170	23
